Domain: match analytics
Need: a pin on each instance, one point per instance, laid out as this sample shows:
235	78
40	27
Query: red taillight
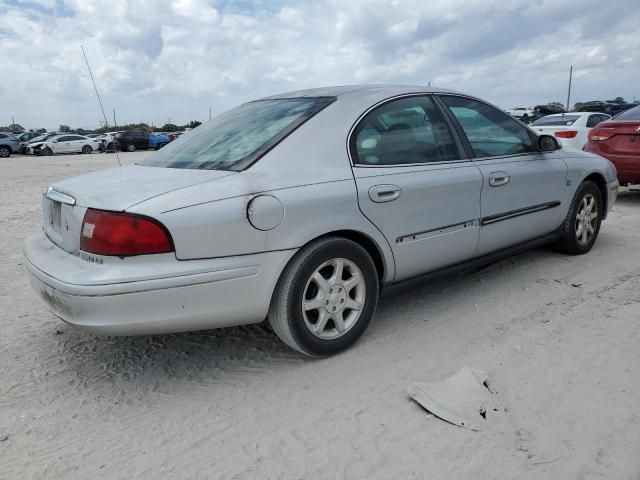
122	234
600	134
566	134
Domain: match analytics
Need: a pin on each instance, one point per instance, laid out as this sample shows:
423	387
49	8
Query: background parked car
41	138
132	141
26	136
570	128
158	140
612	107
549	109
521	112
65	144
8	144
618	140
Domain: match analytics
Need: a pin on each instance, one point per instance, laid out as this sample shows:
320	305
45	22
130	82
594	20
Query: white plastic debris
462	399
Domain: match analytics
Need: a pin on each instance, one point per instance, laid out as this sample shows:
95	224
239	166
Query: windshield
555	120
632	114
239	137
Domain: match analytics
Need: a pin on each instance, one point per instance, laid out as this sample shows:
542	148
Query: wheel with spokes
582	224
325	297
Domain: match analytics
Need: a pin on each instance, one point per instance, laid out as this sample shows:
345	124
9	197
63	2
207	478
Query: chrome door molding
518	212
437	231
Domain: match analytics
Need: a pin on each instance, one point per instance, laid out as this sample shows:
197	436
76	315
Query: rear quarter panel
582	164
309	173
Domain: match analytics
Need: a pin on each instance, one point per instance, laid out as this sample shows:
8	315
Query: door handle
498	179
384	193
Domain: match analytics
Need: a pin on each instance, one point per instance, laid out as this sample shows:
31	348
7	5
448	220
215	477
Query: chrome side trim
517	213
57	196
437	231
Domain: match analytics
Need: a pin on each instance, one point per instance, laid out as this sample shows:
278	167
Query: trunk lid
121	188
64	203
626	138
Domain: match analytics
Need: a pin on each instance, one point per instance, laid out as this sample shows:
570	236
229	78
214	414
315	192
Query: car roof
355	90
577	114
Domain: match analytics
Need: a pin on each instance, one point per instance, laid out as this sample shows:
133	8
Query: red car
618	140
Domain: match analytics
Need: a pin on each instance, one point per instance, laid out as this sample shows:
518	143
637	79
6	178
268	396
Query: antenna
106	124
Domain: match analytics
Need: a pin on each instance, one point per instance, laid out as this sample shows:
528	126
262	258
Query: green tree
194	124
16	127
169	127
64	128
559	104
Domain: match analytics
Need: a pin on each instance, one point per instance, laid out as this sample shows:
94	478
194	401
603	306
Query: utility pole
569	91
114	118
13	122
209	112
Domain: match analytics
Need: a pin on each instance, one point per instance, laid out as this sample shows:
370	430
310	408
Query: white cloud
155	59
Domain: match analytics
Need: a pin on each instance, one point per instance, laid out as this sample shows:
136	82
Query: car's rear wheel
325	298
47	151
131	147
582	224
87	149
5	151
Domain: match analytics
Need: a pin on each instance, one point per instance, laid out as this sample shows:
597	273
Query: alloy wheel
333	298
586	219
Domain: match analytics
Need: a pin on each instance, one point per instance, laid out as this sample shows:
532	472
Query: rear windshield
239	137
632	114
555	120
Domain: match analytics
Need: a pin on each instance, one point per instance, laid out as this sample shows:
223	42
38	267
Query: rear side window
2	135
491	132
239	137
410	130
632	114
556	120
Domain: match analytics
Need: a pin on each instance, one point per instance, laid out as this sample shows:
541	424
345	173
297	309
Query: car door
414	183
141	140
522	187
61	144
75	143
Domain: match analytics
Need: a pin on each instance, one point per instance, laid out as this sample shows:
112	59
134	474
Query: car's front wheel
325	298
47	151
87	149
131	147
582	224
5	152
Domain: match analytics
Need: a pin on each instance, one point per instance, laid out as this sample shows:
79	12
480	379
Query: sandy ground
235	403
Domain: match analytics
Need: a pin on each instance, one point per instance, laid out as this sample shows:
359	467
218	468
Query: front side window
406	131
237	138
490	131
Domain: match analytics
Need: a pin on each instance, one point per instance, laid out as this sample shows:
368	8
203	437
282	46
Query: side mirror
548	143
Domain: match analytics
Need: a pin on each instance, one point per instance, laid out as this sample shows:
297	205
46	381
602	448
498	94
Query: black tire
5	152
569	242
47	151
87	149
131	147
286	312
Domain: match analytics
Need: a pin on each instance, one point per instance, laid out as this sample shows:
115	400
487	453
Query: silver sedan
301	207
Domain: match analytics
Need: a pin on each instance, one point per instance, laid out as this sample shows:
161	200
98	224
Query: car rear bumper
110	299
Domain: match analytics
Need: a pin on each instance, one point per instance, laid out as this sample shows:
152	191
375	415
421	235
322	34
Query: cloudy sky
155	60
